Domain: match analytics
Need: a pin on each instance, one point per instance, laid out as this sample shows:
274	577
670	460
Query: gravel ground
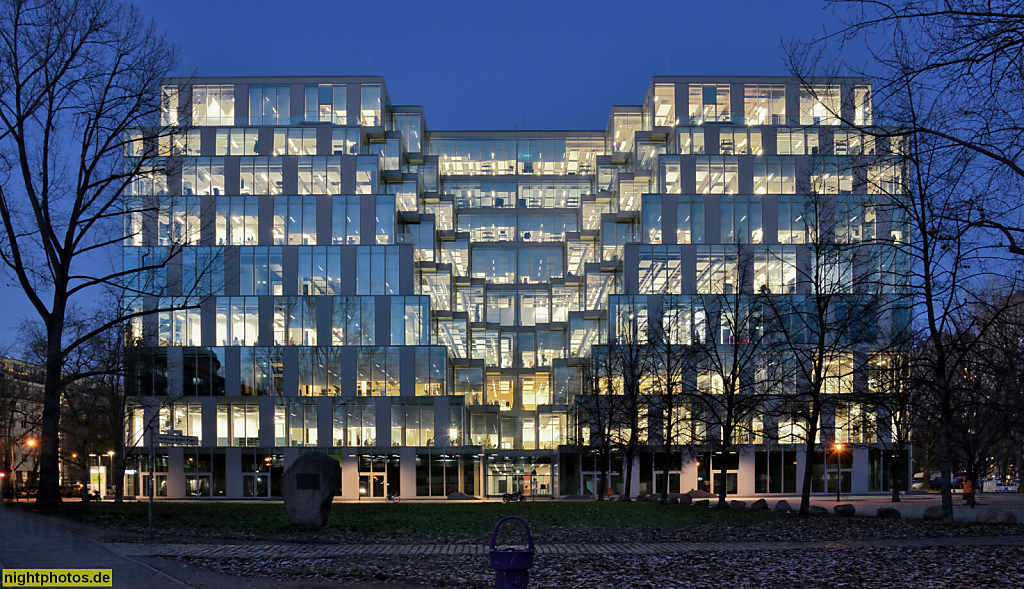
792	528
958	567
911	567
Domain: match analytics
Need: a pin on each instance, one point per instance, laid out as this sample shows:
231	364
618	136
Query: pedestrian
968	492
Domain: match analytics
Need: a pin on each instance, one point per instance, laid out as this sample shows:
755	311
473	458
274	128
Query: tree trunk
664	474
805	489
626	486
896	478
49	442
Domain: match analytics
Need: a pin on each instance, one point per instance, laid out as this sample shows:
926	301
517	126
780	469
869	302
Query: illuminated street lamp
110	477
839	452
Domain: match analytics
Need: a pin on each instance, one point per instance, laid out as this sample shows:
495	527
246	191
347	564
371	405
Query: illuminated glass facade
418	303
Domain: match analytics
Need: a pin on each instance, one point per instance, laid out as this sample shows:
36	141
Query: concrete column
233	472
859	482
349	474
407	472
175	472
745	477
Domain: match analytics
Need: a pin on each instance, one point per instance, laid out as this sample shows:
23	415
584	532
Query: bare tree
734	359
826	326
597	411
673	358
79	89
961	64
629	354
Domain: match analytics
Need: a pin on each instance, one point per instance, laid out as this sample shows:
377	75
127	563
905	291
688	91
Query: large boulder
309	485
738	504
888	513
698	494
933	512
783	507
759	505
817	510
991	515
844	509
702	503
685	499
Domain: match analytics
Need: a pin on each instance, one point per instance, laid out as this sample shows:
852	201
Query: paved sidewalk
284	551
29	541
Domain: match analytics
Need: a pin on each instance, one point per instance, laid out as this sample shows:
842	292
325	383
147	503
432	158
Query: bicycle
392	498
513	497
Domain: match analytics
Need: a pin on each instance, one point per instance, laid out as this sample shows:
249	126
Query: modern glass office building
421	304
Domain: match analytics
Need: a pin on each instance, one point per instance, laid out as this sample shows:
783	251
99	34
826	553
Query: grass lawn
439	518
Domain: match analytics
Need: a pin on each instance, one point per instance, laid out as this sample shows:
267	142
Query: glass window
260	175
238	424
540	264
717	175
819	105
796	141
353	321
345	220
665	105
262	370
740	218
370	115
295	321
384	231
319	175
212	105
410	321
691	141
202	175
689	219
660	271
831	177
270	105
179	327
717	269
378	372
795	220
376	270
431	364
764	104
238	321
178	221
775	176
739	141
367	169
495	265
237	220
652	219
301	424
319	271
295	220
775	270
345	141
862	105
326	103
169	106
709	103
261	271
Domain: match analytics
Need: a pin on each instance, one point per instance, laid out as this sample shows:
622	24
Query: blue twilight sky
480	65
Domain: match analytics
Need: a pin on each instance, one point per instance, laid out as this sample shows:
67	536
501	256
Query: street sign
172	439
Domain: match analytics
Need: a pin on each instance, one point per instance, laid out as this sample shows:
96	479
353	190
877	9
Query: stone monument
309	486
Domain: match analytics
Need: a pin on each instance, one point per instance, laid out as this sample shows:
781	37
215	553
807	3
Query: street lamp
110	476
839	451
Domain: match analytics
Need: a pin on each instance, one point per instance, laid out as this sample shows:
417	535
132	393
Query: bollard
512	565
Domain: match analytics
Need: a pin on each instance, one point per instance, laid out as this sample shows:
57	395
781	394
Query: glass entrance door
256	485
